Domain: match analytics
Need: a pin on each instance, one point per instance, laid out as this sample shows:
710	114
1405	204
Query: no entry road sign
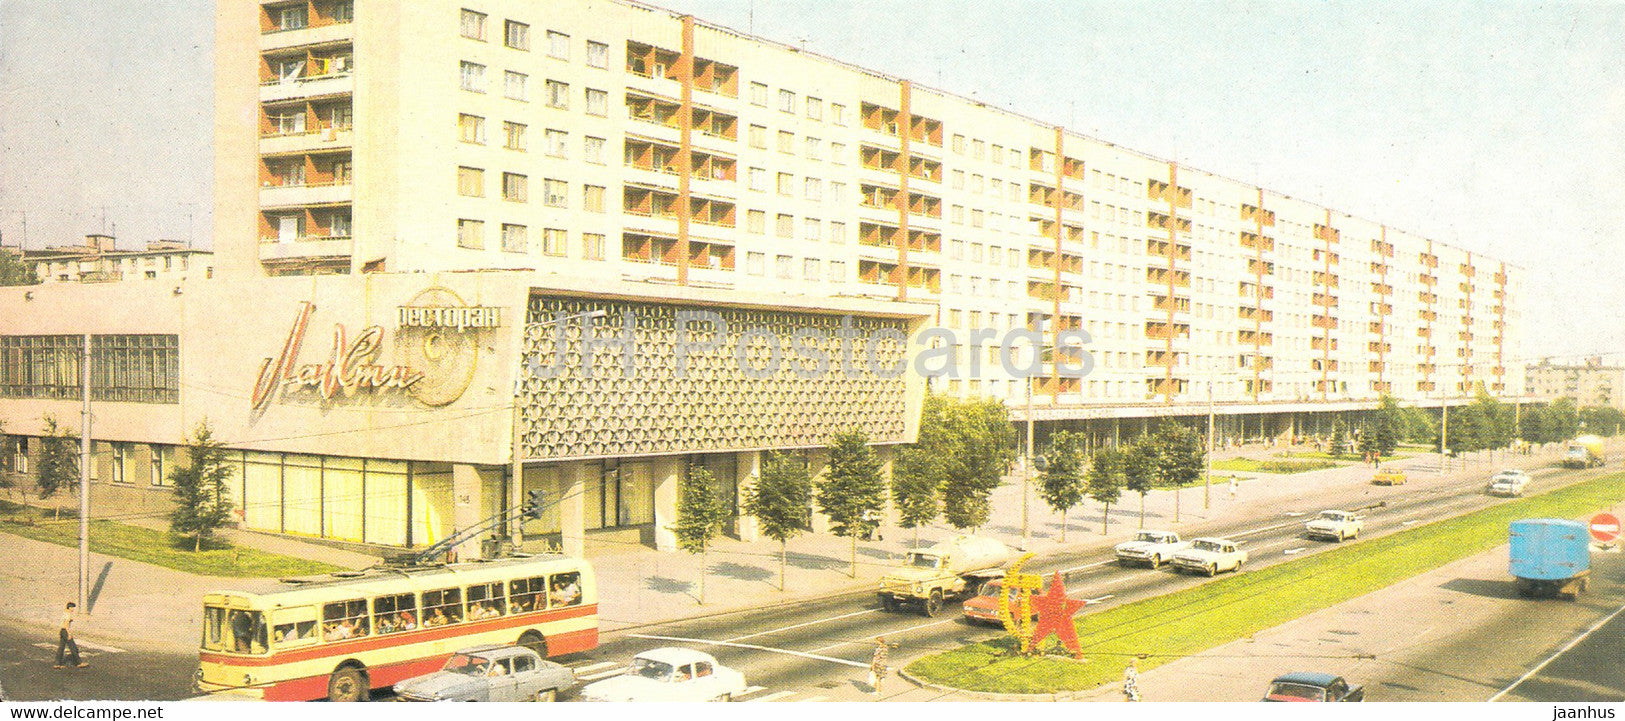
1604	527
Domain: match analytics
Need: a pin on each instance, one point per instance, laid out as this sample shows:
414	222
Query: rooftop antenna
750	18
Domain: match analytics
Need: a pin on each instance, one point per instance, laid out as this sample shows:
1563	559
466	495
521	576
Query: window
810	268
837	232
782	267
813	147
516	85
516	35
811	229
756	263
787	101
758	136
959	144
554	192
395	613
815	108
527	594
787	142
287	122
515	187
132	368
837	153
558	45
473	77
554	241
597	103
593	150
514	238
758	179
837	271
470	234
592	198
158	453
557	143
515	133
597	55
485	601
442	607
837	190
837	113
345	619
470	182
294	18
116	464
784	226
473	25
756	221
592	246
787	184
813	188
758	95
564	589
558	95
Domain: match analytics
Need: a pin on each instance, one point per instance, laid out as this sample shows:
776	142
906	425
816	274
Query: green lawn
1180	624
1325	456
1250	465
154	547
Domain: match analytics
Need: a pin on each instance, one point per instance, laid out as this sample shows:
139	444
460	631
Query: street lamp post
84	482
516	487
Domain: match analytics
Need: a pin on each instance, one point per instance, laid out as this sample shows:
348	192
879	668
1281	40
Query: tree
700	514
852	491
1534	424
1368	439
1564	419
1061	483
1340	438
1178	456
916	477
1602	420
8	448
13	271
202	503
977	444
1106	483
58	458
780	501
1388	427
1139	466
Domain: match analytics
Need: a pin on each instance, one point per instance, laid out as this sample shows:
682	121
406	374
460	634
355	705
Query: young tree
1106	483
1388	427
977	444
700	514
1534	424
58	458
1340	438
1061	483
202	504
13	271
1369	445
1139	466
1564	419
1179	455
916	476
780	501
852	491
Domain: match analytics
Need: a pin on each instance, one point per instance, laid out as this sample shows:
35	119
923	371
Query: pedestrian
64	639
1233	485
1131	680
877	665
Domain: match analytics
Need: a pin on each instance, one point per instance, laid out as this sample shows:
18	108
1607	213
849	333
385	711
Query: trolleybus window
442	607
345	619
485	601
391	614
293	626
527	594
565	589
214	625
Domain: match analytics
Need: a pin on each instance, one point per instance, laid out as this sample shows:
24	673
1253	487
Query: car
670	674
490	673
1336	525
1389	477
1151	548
1210	556
1310	686
984	606
1508	483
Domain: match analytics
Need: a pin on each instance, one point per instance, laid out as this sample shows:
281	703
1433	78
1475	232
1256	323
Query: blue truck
1550	557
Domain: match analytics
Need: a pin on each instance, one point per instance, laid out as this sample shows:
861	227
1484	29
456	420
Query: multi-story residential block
100	261
1590	383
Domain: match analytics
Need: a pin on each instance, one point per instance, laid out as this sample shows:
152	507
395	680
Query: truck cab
953	569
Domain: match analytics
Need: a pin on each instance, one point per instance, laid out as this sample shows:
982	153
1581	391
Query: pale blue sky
1498	127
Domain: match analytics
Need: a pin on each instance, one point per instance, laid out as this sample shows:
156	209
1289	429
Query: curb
989	695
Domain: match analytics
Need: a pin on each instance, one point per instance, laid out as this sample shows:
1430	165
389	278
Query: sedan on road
670	674
490	673
1309	686
1508	483
1210	556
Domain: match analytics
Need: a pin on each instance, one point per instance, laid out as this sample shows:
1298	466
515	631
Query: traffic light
533	504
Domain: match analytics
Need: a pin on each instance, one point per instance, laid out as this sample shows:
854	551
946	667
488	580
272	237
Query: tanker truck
1583	452
953	569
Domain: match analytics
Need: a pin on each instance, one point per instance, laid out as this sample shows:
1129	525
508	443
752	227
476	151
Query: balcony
306	248
315	141
283	196
310	35
307	87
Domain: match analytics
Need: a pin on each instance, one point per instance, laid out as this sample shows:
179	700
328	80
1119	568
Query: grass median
155	547
1186	622
1250	465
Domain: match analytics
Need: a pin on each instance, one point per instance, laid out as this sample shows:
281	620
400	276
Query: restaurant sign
351	366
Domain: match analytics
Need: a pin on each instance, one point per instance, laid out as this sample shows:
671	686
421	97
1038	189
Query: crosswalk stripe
596	667
772	696
603	675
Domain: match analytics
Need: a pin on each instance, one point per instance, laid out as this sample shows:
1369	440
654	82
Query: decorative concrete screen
715	404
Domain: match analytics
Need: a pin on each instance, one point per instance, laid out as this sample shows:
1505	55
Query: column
750	471
664	473
573	480
468	504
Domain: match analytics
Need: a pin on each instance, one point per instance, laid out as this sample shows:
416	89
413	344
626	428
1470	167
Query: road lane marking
604	674
1299	549
1086	566
752	646
601	665
802	625
772	697
1565	649
1098	600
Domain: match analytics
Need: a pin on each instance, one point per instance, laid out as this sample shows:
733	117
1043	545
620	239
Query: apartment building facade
1591	383
100	260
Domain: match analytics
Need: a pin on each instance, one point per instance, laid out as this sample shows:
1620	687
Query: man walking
64	639
1233	485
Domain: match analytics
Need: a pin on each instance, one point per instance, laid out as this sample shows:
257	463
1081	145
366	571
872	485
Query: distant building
100	261
1589	384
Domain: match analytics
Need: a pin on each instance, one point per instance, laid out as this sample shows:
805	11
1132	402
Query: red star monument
1055	612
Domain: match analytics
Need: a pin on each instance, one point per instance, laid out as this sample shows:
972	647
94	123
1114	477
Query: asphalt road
1592	669
115	672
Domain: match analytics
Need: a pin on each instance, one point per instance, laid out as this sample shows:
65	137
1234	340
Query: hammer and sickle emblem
1015	601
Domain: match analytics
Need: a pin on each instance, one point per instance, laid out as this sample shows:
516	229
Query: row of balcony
880	235
648	61
875	272
662	250
891	161
884	120
668	113
1261	243
1257	215
1163	191
876	196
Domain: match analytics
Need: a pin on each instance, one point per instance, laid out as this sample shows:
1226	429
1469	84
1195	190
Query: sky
1498	127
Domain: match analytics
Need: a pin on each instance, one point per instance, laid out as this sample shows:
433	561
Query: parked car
490	673
670	674
1389	477
1309	686
1210	556
984	606
1336	525
1151	548
1508	483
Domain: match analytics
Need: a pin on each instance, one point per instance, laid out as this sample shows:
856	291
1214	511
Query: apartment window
837	271
786	184
597	103
758	180
515	187
758	137
554	241
756	263
516	85
473	25
592	246
558	95
813	188
837	191
810	268
783	266
592	198
787	101
473	77
293	18
558	45
758	94
516	35
978	149
756	222
514	238
158	453
813	147
340	117
787	142
558	143
785	226
287	122
515	136
470	234
555	192
837	113
837	232
597	55
959	144
117	465
592	150
815	108
810	229
470	182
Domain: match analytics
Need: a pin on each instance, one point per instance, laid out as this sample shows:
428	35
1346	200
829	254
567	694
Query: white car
670	674
1509	482
1150	547
1337	525
1210	556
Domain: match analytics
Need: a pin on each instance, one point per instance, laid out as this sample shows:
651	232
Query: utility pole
1207	477
1027	465
84	481
1444	434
